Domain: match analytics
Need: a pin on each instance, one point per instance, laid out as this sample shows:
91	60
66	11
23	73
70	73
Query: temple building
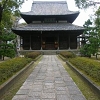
49	27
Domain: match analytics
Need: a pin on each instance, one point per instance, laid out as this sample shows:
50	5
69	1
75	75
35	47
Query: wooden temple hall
49	27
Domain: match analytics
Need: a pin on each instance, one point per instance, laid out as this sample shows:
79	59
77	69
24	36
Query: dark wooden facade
49	31
49	40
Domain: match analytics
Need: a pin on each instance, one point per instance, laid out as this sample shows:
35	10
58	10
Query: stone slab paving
49	81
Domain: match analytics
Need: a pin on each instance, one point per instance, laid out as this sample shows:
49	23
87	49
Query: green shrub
89	66
10	67
67	54
32	55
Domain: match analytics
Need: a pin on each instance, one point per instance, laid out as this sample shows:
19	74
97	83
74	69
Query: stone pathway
49	81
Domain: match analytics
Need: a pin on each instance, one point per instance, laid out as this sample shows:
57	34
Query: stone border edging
96	88
64	59
5	86
37	57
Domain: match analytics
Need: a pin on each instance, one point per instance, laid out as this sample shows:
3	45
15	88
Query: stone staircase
49	52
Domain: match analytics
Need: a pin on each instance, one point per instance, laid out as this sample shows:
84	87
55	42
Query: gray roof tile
49	8
49	27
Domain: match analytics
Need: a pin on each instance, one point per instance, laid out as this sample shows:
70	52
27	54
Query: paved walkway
49	81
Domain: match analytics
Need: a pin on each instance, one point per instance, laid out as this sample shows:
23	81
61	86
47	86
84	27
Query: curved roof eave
70	17
48	14
49	27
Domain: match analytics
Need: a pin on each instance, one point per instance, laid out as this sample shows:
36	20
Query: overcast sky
83	16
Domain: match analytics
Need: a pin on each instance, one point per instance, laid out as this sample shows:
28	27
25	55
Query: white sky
83	16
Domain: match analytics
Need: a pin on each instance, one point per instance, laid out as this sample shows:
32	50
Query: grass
12	91
87	91
92	79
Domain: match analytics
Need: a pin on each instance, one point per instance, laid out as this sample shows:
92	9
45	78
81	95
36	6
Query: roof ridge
63	2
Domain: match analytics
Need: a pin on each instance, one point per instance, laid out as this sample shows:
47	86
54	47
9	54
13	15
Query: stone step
50	52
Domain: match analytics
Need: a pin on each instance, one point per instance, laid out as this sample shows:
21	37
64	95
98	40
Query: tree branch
86	3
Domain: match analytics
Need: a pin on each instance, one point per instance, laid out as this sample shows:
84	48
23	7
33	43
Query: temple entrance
50	43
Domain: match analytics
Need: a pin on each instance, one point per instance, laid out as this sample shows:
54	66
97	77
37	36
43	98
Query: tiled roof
49	8
61	26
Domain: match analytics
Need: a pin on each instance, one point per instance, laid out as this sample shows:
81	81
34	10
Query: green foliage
93	33
67	54
81	3
7	36
97	21
7	53
85	51
89	66
10	67
32	55
9	9
92	40
7	49
86	3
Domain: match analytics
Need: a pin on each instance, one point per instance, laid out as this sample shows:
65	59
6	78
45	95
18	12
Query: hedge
67	54
32	55
89	66
10	67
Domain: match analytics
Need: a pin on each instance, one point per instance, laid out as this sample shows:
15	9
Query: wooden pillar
30	42
58	41
20	43
41	40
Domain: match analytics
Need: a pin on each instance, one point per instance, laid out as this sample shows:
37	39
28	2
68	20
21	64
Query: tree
86	3
97	20
92	33
7	46
10	5
9	9
92	40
